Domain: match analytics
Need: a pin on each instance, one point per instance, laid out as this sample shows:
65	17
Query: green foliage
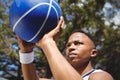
78	14
86	17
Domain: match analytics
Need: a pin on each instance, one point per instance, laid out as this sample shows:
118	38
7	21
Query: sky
111	14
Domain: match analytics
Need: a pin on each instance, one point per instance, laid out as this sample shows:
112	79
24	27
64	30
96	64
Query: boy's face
79	48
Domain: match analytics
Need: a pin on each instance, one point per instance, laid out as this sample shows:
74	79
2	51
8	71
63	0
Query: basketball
31	19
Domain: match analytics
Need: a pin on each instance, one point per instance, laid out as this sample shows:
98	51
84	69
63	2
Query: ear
94	53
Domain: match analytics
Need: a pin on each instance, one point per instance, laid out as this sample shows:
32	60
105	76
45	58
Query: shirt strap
88	73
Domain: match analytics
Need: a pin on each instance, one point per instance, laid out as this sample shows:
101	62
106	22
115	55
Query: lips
72	55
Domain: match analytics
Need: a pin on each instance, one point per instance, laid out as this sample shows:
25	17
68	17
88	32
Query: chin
73	62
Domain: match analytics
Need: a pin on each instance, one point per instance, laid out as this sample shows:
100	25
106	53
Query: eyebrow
74	42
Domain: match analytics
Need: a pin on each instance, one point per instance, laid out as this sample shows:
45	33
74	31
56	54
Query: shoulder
100	75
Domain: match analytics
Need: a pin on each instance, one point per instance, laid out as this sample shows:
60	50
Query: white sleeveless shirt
87	75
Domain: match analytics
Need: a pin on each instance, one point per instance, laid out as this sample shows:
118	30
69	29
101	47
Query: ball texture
31	19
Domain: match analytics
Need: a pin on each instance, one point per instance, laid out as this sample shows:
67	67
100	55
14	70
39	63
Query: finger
61	22
62	25
19	39
58	27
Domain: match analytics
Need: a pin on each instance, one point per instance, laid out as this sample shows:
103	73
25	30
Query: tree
87	15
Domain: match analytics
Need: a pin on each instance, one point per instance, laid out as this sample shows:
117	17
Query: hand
53	35
25	47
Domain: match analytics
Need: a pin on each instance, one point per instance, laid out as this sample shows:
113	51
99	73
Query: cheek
66	52
84	53
83	56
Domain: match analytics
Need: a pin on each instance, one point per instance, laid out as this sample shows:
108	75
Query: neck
85	68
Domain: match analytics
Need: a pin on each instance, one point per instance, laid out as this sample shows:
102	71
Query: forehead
78	36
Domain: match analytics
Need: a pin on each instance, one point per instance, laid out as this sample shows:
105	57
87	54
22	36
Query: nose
71	47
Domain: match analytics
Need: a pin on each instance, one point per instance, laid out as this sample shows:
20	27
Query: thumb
58	28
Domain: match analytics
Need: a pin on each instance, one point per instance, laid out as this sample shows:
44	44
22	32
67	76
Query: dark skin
25	46
79	55
27	69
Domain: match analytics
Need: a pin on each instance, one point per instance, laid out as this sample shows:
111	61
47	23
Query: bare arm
29	71
60	67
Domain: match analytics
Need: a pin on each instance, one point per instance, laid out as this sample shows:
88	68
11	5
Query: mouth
72	55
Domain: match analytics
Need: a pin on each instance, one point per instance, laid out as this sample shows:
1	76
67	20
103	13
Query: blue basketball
31	19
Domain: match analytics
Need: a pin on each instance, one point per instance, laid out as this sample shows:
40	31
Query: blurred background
100	18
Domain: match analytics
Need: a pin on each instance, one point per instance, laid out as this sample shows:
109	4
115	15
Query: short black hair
87	34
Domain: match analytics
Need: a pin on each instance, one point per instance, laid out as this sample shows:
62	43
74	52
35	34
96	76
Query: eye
68	45
78	43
